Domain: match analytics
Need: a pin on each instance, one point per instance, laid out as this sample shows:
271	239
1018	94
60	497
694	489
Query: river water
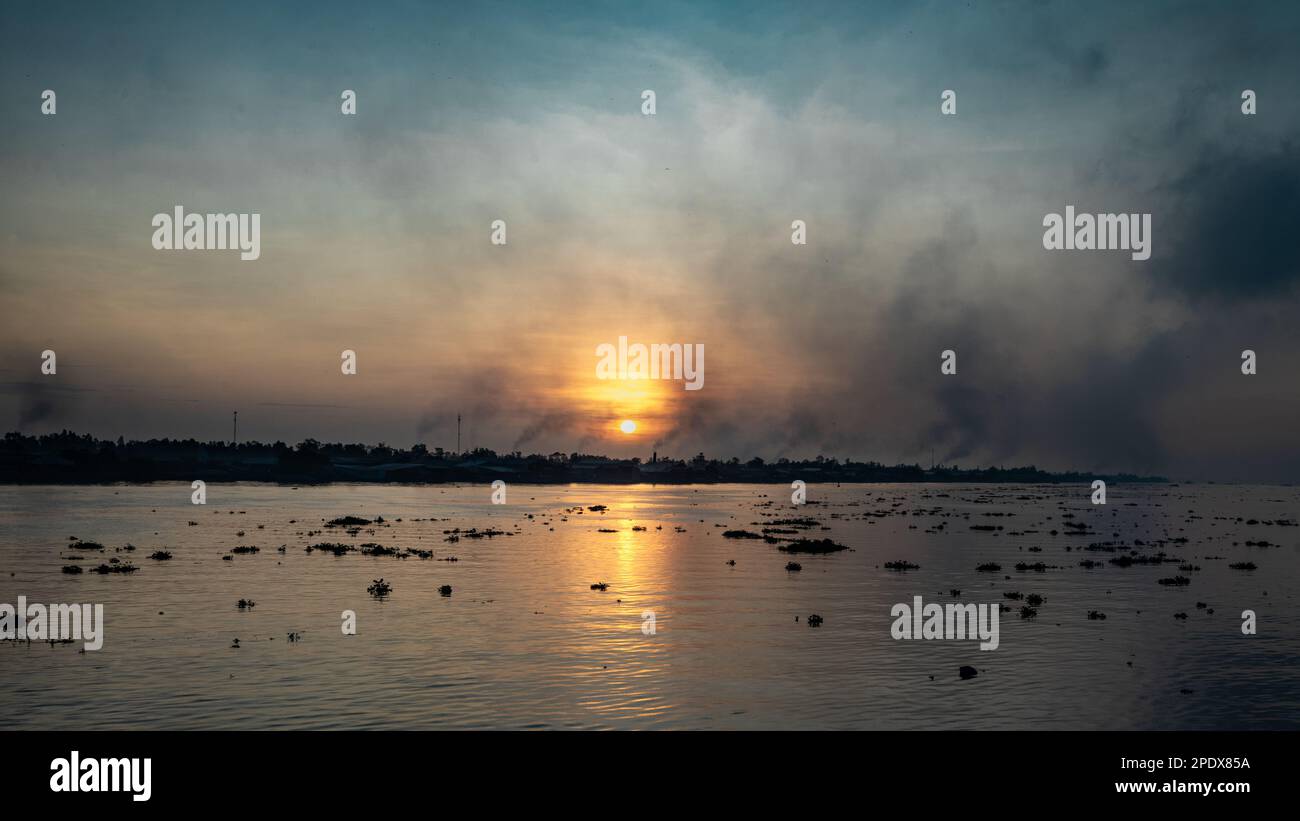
523	641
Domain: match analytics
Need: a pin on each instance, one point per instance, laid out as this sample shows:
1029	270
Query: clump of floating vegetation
160	555
330	547
373	549
741	534
1176	581
71	569
812	546
901	565
1034	600
1027	612
793	567
600	586
445	590
815	620
474	533
989	567
1242	566
1128	561
115	567
1037	567
243	550
379	588
244	604
348	521
804	523
1096	615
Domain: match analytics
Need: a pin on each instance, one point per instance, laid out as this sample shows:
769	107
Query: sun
627	426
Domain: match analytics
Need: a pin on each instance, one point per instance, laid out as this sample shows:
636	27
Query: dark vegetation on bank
69	458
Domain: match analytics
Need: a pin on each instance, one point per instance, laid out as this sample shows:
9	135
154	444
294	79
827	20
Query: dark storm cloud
1230	225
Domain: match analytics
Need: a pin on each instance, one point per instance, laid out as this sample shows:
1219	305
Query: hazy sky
924	230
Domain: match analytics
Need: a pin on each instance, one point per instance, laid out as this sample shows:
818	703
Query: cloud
1228	224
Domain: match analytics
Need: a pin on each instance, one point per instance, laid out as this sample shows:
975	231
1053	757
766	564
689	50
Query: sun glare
627	426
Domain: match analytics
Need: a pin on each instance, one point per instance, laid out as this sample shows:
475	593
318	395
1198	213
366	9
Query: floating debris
901	565
330	547
815	620
105	569
244	604
812	546
966	671
445	590
793	567
600	586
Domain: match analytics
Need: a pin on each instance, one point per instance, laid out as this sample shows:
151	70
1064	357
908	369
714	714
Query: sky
924	230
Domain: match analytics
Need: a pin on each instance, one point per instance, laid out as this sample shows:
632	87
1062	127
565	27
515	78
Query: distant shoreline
71	459
593	483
